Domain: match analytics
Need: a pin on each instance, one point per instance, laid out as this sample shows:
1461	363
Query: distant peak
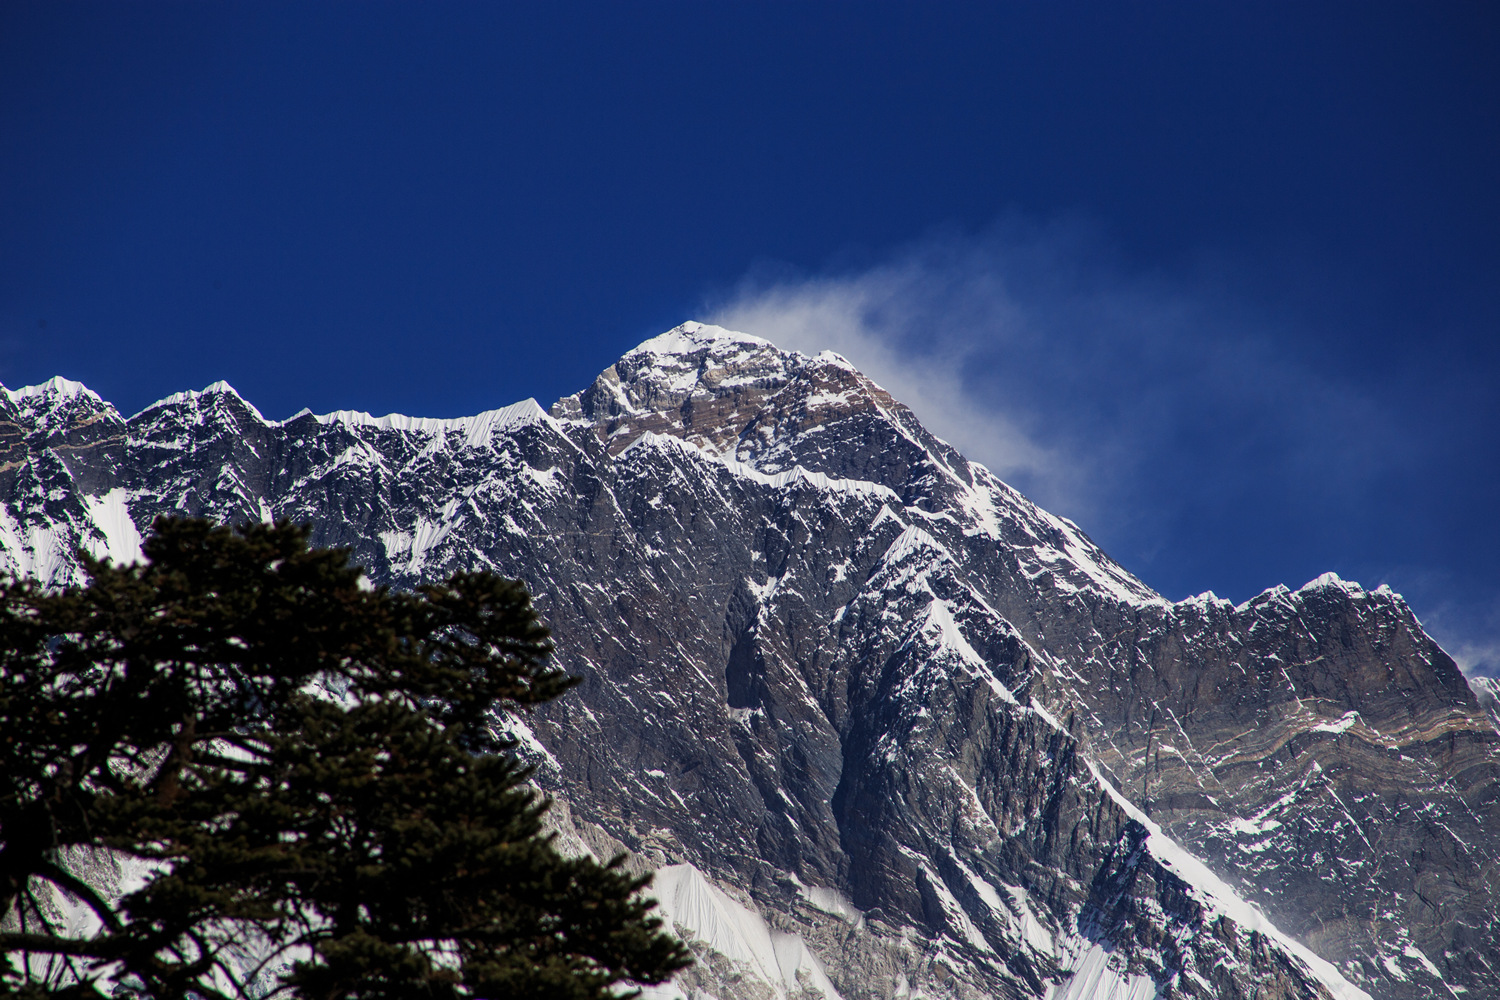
692	336
55	386
219	388
1350	587
1329	579
56	403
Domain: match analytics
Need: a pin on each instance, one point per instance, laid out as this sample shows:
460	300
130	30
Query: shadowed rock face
889	726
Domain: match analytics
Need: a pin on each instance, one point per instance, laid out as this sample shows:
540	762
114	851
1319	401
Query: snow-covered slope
884	727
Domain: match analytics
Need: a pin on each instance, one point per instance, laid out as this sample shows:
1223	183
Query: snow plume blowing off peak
1177	417
874	320
1031	352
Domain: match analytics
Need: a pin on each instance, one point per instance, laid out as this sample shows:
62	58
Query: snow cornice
477	430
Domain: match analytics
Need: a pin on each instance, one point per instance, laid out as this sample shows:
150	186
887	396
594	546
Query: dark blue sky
1231	273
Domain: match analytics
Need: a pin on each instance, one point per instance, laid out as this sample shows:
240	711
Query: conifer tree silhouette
236	770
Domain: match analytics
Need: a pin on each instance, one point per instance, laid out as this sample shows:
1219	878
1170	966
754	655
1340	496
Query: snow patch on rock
117	538
704	912
44	554
1095	977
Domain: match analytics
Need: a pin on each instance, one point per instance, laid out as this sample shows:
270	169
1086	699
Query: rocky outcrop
884	726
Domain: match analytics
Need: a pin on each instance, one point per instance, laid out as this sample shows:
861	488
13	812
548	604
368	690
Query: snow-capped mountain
884	727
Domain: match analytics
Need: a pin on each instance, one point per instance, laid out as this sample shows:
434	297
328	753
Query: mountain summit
883	727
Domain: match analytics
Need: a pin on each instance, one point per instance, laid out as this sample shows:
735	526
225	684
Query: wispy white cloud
1204	442
1034	353
1467	625
873	319
1476	659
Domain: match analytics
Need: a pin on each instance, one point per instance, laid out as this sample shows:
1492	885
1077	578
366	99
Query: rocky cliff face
884	727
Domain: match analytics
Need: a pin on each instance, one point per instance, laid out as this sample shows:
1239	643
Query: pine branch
73	884
49	944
